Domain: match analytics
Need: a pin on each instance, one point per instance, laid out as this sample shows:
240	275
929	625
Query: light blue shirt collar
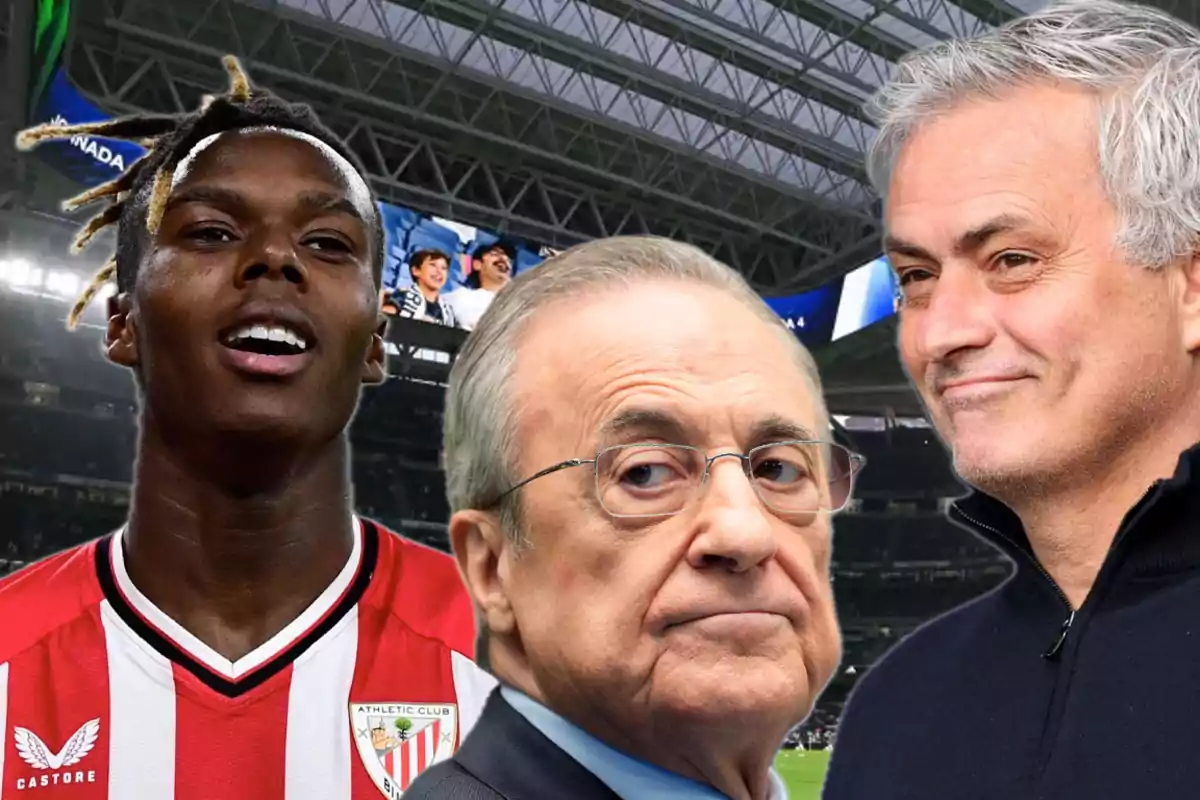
630	778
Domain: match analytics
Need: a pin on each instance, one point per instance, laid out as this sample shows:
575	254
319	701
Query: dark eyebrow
208	195
966	244
230	200
329	202
642	423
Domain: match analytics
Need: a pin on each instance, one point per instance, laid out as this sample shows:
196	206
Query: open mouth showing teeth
267	340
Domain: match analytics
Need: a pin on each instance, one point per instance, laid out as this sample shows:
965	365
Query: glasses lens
647	480
794	477
841	476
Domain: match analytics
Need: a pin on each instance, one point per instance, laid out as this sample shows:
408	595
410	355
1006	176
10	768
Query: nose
735	530
956	317
272	255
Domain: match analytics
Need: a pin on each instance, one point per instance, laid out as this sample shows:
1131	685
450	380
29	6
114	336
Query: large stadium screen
443	271
829	312
842	306
451	260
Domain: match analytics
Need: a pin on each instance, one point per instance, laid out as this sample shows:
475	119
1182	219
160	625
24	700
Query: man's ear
120	335
1191	303
375	367
483	553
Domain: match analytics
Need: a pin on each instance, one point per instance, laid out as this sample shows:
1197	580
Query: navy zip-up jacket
1014	697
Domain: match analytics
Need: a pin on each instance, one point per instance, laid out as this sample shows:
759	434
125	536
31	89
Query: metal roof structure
734	124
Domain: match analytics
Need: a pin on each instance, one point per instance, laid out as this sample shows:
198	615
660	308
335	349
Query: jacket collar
629	777
1162	529
516	760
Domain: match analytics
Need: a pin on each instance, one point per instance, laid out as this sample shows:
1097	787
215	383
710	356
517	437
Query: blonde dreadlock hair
137	198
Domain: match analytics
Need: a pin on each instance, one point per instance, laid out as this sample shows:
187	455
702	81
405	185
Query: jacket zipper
1056	646
1055	652
1148	499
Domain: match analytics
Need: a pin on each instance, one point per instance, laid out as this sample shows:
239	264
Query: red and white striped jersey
104	697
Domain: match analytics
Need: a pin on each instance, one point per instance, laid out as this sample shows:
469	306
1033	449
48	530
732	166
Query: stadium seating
68	429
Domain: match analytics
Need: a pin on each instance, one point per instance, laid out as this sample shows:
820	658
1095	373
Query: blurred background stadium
733	124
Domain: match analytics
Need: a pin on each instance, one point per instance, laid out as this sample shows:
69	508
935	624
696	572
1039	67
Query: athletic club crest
397	741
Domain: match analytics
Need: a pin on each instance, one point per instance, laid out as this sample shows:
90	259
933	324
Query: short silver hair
1144	67
479	437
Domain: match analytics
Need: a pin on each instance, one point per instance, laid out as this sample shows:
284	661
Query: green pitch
803	772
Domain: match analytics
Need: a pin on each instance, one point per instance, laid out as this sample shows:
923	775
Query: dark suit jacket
506	758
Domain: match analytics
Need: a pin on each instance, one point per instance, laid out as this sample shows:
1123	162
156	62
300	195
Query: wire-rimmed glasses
795	477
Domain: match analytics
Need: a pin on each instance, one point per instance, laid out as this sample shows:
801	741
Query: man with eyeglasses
639	465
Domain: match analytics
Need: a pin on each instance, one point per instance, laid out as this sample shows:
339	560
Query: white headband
359	192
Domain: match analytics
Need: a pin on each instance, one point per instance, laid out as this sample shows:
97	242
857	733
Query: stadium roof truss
736	124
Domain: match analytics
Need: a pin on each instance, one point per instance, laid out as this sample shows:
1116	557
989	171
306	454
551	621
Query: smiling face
430	275
720	615
1040	352
256	295
495	269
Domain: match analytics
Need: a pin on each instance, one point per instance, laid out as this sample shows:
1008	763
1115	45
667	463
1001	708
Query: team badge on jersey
398	741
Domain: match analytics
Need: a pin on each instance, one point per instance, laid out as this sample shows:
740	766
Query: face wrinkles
657	352
634	384
1043	320
260	221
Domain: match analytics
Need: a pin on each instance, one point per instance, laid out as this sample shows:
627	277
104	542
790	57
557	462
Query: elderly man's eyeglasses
659	480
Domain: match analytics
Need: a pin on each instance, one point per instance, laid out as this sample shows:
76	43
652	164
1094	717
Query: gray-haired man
638	463
1043	213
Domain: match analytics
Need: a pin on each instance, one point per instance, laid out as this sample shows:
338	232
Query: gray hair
479	423
1144	66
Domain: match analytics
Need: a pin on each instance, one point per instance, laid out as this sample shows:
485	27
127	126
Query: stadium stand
737	126
67	433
